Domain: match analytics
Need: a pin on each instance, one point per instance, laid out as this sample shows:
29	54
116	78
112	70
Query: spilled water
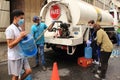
115	53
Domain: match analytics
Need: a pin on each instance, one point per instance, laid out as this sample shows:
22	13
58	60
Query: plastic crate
84	62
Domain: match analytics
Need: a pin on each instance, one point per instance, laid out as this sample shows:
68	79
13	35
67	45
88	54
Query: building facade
30	7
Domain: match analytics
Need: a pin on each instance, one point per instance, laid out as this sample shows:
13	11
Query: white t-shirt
12	32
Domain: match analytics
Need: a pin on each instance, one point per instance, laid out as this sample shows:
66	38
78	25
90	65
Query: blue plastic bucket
28	46
88	52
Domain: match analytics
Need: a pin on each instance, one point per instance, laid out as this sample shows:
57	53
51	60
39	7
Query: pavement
67	67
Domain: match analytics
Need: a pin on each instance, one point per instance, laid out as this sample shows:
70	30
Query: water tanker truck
71	28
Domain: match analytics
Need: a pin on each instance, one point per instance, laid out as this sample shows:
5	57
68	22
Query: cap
35	18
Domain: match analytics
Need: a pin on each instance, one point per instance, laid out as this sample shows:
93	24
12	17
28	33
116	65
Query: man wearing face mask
14	34
37	29
93	44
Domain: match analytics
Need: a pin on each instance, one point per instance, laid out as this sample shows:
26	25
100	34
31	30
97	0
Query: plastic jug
28	46
29	77
88	51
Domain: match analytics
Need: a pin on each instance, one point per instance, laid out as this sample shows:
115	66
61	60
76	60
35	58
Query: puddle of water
115	53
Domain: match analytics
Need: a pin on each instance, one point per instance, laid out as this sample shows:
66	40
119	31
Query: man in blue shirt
37	29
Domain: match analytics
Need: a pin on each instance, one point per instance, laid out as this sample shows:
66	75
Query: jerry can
88	52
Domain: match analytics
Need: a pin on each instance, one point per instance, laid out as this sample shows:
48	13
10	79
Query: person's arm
32	31
13	42
50	26
99	38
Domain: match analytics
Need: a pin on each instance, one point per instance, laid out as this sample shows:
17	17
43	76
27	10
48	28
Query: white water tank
78	12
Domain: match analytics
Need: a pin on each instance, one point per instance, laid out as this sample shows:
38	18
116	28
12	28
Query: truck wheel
112	36
80	50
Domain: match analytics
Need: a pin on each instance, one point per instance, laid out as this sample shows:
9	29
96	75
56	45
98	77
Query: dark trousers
94	51
118	39
104	57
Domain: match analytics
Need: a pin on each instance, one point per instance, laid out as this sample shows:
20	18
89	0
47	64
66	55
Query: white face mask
35	23
91	26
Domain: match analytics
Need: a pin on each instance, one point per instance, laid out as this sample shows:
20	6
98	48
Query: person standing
118	36
14	34
106	47
93	42
37	29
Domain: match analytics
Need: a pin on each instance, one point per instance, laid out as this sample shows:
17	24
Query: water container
88	52
28	46
29	77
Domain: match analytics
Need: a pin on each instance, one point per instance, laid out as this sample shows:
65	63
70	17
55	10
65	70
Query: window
89	1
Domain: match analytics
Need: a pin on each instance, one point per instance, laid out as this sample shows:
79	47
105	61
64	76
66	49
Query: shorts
15	67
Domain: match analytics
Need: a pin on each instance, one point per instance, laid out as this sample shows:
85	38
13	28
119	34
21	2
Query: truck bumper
64	41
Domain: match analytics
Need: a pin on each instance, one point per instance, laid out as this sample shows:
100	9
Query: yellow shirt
104	41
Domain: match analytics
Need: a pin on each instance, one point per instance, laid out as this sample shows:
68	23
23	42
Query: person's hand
88	42
23	34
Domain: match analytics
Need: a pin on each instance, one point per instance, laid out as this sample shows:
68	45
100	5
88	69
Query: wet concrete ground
67	67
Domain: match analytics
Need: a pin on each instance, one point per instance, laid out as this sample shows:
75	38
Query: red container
84	62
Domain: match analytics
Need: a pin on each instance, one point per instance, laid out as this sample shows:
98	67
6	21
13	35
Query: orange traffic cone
55	74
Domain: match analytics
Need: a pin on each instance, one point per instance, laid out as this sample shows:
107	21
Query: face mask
36	24
91	26
21	22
